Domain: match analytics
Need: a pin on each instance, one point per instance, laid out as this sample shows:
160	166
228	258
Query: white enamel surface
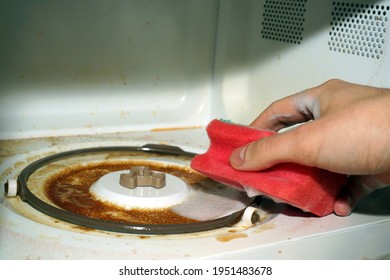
113	73
82	68
283	232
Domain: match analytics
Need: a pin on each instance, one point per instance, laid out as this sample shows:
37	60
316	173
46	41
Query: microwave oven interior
95	74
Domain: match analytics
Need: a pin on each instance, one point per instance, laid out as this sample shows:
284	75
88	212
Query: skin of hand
345	128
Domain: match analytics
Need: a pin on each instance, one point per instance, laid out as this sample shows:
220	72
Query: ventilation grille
358	29
283	20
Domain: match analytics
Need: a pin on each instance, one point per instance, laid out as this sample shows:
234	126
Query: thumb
265	152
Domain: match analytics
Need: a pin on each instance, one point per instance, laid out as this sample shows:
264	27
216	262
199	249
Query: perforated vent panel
358	29
283	20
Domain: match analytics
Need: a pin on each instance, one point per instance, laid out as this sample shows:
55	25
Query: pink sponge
308	188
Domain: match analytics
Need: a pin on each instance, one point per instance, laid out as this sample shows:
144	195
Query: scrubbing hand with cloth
346	130
339	154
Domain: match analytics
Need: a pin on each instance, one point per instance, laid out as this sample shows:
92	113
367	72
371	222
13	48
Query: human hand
346	130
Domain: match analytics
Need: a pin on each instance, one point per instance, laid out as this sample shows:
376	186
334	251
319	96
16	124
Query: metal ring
63	215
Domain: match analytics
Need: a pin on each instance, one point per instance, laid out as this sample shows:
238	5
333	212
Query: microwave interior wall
82	67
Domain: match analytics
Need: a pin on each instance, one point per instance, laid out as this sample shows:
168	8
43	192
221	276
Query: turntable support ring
27	193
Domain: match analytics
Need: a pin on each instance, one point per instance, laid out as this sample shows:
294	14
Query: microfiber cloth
311	189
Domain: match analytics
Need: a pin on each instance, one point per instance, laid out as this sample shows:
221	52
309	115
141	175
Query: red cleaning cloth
308	188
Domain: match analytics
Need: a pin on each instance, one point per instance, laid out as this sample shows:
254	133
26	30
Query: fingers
288	111
338	138
357	188
264	153
278	148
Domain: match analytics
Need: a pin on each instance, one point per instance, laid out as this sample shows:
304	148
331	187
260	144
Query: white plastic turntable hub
141	188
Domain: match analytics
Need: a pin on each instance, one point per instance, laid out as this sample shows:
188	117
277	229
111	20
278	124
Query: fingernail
344	203
238	156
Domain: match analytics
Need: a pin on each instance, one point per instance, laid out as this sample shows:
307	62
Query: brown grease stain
175	128
144	237
69	189
231	236
264	227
